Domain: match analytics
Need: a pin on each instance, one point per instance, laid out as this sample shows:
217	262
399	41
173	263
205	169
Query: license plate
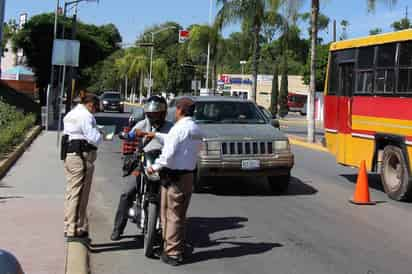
250	164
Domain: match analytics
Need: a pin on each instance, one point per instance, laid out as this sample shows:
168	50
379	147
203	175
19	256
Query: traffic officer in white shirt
178	162
79	146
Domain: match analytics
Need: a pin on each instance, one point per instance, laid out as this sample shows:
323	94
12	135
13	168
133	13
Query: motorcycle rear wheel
150	232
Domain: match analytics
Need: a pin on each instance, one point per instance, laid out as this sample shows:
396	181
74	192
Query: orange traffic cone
361	196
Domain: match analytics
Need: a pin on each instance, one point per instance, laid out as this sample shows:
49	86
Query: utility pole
72	70
334	30
2	8
208	47
52	94
149	93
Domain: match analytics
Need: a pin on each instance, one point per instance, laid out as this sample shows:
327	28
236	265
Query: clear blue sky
133	16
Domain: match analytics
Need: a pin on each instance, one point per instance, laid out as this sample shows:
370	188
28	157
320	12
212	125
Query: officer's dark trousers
126	201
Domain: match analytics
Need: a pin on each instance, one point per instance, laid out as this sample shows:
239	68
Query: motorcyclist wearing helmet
155	111
9	264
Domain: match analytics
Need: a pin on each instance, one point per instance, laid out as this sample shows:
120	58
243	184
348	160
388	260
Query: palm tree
252	13
314	36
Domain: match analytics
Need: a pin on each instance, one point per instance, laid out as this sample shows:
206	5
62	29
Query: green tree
283	96
375	31
344	24
251	13
402	24
96	43
9	30
274	98
322	55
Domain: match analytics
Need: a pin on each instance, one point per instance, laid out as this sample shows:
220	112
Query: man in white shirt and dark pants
82	139
178	162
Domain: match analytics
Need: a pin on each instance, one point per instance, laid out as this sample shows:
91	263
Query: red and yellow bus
368	107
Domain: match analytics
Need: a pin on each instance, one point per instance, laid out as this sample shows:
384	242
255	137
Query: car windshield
228	113
111	96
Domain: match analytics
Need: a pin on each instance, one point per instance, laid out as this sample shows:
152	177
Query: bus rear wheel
395	174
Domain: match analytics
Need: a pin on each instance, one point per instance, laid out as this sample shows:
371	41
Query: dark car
111	101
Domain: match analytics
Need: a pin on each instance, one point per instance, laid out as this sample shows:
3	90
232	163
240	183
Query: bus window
405	54
365	82
333	74
366	57
364	73
385	80
405	68
385	72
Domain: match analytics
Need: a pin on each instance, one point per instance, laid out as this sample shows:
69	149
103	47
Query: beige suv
240	140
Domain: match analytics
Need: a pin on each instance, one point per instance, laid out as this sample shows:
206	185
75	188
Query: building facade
241	85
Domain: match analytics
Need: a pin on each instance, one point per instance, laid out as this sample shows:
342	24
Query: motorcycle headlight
281	145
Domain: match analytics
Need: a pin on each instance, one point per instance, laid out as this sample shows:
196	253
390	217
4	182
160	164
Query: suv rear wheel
395	174
279	184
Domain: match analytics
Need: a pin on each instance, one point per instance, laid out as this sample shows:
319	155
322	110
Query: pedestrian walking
79	146
178	162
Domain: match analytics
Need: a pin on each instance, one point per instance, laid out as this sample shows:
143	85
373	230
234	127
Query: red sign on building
183	36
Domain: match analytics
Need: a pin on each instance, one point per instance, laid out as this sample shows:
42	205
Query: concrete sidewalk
31	208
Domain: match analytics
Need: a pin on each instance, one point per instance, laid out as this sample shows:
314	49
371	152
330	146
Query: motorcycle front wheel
150	231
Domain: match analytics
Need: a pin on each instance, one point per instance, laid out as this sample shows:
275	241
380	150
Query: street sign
147	82
66	53
183	36
22	19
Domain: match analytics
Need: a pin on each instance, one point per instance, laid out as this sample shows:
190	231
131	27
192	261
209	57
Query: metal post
72	70
51	97
151	67
334	30
2	8
208	47
59	107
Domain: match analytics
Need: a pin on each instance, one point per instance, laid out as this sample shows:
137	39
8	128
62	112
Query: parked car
296	102
111	101
239	141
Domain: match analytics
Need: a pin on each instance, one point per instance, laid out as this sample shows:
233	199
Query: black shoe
172	260
115	235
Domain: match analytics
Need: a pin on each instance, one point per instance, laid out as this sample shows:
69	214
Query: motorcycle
145	211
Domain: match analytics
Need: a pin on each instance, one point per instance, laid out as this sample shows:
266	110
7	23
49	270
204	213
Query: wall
264	85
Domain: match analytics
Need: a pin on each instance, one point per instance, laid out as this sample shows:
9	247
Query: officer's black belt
80	146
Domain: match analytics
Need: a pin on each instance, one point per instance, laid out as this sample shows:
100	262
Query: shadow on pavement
116	246
200	229
255	187
3	199
373	179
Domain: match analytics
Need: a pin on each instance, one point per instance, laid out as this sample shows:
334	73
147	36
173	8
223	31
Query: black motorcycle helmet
9	264
155	109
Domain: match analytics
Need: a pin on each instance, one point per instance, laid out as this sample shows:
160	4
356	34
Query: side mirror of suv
275	123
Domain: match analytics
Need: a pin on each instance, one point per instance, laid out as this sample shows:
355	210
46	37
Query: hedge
13	126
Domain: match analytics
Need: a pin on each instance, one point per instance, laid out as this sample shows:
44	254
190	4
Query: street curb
12	157
77	258
299	142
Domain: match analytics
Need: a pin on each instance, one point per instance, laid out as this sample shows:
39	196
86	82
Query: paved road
238	227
